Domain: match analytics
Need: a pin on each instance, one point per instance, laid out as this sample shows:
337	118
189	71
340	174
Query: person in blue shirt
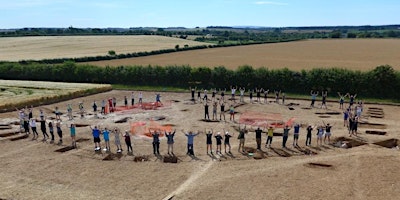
73	134
190	136
106	136
296	132
96	137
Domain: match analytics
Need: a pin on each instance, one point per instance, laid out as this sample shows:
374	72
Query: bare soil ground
356	54
31	169
48	47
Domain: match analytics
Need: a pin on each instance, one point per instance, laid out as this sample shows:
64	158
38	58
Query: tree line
381	82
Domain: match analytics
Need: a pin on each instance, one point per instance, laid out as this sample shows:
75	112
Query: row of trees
382	82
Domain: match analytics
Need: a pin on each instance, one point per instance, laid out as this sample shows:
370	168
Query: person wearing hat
218	139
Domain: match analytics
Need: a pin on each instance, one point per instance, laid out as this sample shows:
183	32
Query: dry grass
25	48
357	54
17	93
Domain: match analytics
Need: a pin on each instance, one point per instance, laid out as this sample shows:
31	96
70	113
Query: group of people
323	131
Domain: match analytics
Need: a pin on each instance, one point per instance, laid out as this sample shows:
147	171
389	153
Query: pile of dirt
347	143
374	132
112	156
141	158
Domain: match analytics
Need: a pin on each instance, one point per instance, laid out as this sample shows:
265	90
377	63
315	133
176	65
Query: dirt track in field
356	54
32	170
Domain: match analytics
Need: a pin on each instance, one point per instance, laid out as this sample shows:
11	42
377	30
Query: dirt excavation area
358	167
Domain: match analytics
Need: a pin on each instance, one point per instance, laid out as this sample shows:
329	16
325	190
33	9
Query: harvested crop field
356	54
47	47
14	93
32	169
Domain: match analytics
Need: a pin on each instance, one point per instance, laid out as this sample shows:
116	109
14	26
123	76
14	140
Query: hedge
382	82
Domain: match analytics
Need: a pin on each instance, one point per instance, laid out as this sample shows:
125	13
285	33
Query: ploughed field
356	54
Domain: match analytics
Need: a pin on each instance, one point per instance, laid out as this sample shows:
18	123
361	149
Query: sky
195	13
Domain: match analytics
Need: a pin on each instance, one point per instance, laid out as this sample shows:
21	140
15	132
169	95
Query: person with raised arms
258	137
242	91
170	141
190	141
96	137
209	135
241	138
218	139
227	143
313	97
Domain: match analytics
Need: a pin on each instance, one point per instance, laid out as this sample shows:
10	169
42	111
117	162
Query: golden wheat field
47	47
357	54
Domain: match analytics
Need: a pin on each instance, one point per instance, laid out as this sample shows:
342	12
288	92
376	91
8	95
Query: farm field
356	54
47	47
32	169
13	93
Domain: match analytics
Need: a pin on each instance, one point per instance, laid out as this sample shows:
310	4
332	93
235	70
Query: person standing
218	139
320	135
158	99
241	138
222	94
206	114
114	102
222	113
170	141
192	91
58	114
156	141
214	108
251	95
296	132
117	140
258	138
313	97
209	135
103	107
132	99
242	90
309	134
51	130
232	113
72	130
127	138
69	111
285	136
96	138
190	140
227	143
32	124
81	109
233	91
43	126
59	132
106	136
341	100
324	95
328	133
94	106
126	101
270	134
140	98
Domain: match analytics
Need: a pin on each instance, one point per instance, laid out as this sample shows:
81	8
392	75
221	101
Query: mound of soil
141	158
170	159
